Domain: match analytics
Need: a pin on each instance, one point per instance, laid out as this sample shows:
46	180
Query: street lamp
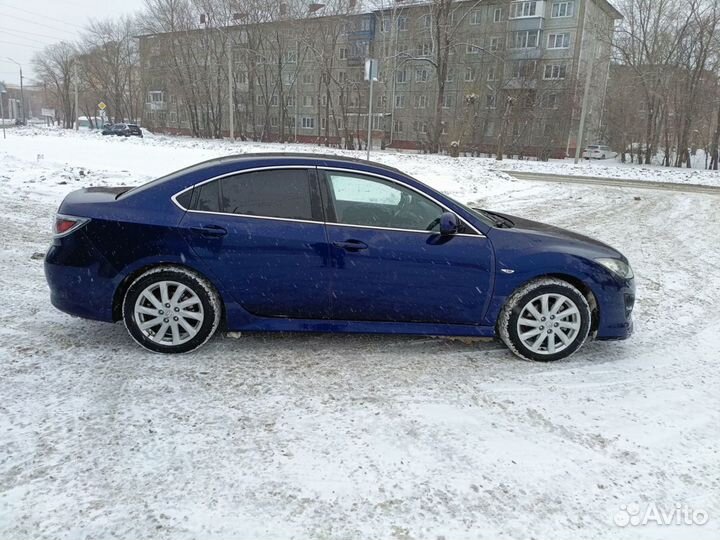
22	93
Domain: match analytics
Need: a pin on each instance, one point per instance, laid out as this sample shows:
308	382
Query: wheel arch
576	282
125	283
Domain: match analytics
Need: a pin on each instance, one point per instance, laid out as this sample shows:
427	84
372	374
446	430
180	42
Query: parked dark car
107	129
133	130
309	243
126	130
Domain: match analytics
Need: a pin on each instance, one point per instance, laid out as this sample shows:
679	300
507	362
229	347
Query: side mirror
449	224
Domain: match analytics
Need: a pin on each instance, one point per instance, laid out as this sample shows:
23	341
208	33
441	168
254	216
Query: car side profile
312	243
598	151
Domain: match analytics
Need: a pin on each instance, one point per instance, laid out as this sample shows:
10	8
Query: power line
44	16
38	23
22	45
31	33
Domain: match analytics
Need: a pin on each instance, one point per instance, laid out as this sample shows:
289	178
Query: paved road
594	180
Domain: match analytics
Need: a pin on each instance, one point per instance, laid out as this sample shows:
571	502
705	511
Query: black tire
508	322
205	292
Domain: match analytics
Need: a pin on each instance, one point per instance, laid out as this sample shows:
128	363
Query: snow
339	436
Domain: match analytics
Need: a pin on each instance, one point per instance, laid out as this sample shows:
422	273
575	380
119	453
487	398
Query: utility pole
586	98
231	96
22	92
2	109
75	76
371	72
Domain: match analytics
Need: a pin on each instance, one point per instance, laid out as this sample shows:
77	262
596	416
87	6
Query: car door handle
351	245
209	231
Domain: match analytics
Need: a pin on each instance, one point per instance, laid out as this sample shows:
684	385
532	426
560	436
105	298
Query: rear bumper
81	283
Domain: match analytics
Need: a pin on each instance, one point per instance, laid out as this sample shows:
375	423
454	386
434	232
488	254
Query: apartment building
513	67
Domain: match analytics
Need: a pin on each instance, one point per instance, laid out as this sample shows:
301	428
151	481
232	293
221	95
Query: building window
450	76
398	126
323	123
559	41
551	101
365	24
421	75
469	75
498	15
291	56
308	101
420	127
401	76
472	48
342	77
563	9
448	101
491	101
402	24
259	100
525	39
492	73
475	17
495	43
156	96
290	101
402	48
308	78
308	122
518	10
273	121
342	52
420	101
385	25
424	49
274	100
524	69
399	101
555	71
426	21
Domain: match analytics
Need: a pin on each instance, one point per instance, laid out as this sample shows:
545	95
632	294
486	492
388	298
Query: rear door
389	261
261	234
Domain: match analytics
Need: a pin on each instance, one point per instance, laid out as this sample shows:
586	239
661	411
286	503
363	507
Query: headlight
617	267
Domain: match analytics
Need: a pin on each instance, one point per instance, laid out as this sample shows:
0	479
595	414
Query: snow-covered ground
335	436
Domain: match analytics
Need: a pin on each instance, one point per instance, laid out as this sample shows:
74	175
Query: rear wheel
545	320
171	310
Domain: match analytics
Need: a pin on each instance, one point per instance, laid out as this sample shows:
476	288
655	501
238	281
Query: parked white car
597	151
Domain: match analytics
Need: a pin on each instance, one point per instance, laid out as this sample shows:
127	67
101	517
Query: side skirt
239	321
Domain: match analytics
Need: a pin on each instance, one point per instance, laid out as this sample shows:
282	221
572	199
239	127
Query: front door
389	261
261	235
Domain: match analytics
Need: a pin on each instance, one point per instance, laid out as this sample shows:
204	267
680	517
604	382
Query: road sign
371	69
102	106
47	112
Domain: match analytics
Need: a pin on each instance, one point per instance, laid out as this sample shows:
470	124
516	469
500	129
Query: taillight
64	225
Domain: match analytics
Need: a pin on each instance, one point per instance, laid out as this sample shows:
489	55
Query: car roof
283	156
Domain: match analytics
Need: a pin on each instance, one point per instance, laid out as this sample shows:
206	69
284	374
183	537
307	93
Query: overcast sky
26	26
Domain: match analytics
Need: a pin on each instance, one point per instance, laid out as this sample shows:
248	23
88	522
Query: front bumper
616	303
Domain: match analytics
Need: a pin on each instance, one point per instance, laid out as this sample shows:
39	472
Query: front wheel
545	320
171	310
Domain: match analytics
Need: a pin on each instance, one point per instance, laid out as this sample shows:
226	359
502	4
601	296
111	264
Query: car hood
544	233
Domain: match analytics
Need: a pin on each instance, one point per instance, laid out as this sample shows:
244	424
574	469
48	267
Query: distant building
301	78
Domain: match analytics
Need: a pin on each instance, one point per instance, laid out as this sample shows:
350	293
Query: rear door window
284	194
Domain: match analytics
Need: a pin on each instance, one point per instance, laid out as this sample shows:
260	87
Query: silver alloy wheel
169	313
549	324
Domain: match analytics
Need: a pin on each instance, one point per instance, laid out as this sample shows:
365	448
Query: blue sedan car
311	243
